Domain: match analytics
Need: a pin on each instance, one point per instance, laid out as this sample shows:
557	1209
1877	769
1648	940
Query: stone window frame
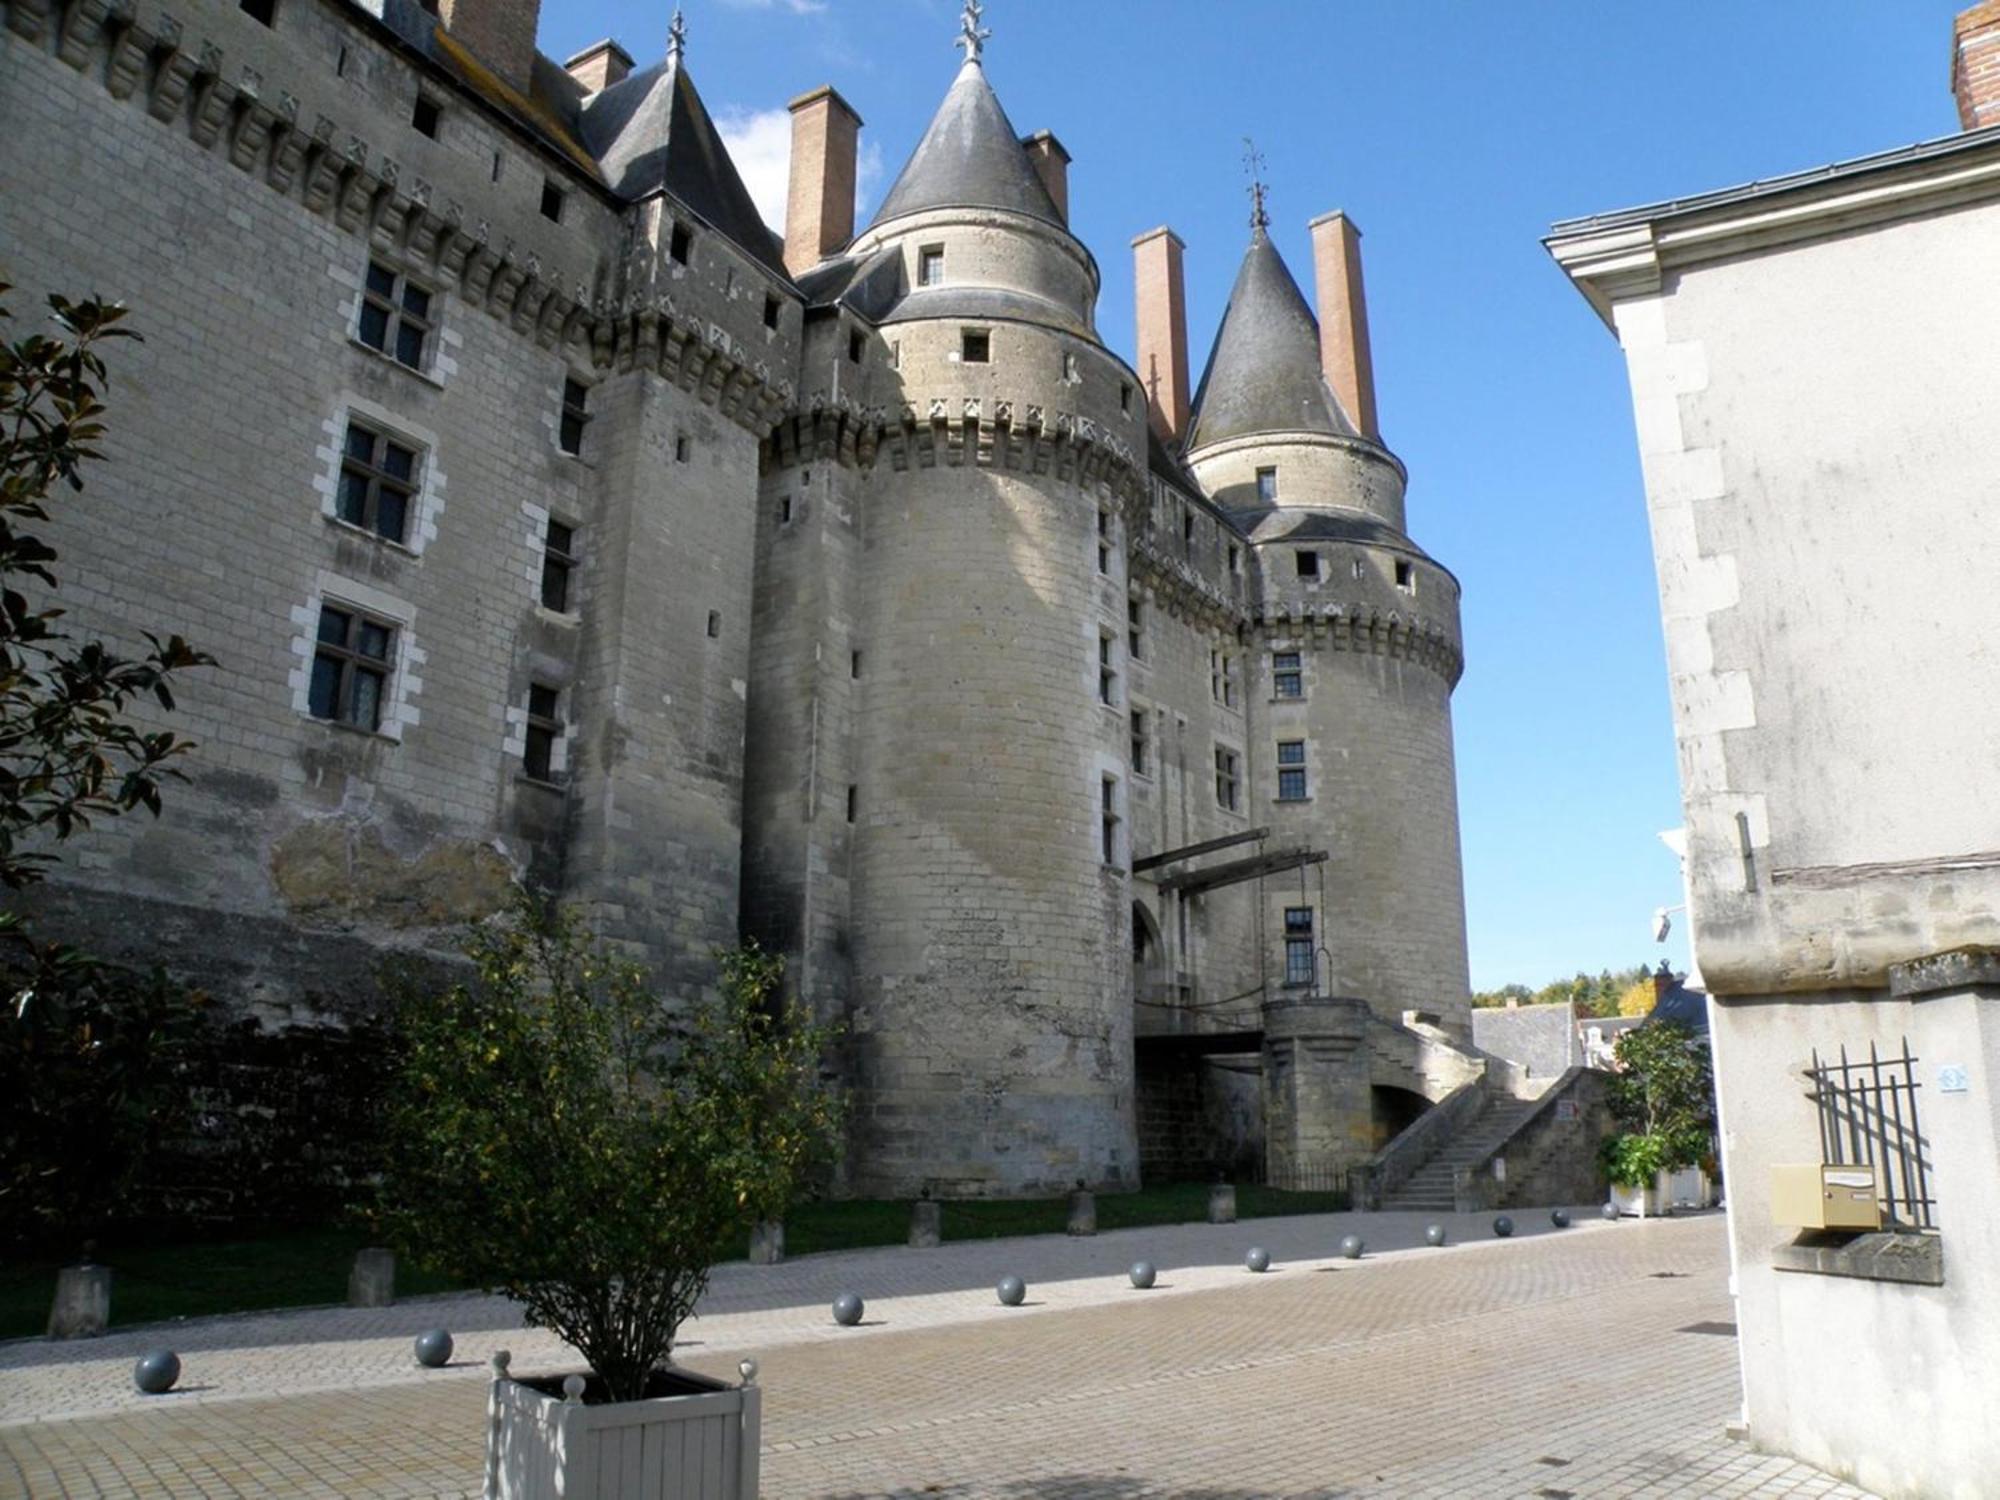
427	500
1107	669
680	244
392	307
1267	483
1135	627
573	416
1300	942
1142	750
560	561
1111	821
930	265
1293	782
975	346
1228	778
1288	676
398	710
429	107
1306	562
544	735
1406	575
386	472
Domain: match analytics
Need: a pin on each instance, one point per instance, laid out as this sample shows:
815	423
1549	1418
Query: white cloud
760	143
796	7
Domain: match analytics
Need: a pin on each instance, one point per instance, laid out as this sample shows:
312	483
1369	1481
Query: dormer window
1267	484
930	266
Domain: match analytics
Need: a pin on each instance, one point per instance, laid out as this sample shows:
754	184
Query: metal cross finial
1253	163
971	36
677	36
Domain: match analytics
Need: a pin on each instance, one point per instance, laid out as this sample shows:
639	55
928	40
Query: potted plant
1663	1095
560	1133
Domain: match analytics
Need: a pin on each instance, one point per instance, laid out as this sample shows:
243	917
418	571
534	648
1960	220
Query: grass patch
156	1280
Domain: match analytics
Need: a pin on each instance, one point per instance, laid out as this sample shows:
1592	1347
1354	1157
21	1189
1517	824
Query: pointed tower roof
1264	373
652	131
970	157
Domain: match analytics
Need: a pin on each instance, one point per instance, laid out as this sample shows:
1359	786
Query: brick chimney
1160	293
600	65
500	33
819	201
1051	164
1975	65
1343	319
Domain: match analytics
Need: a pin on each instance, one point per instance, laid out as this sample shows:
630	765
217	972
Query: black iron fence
1304	1178
1868	1118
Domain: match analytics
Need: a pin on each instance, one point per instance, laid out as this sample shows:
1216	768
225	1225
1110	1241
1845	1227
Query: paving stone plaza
1593	1361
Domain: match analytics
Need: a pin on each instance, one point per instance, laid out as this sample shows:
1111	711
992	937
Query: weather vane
677	36
1253	163
970	34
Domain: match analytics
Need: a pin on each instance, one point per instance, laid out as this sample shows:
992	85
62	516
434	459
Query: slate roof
1688	1007
970	157
652	131
1263	373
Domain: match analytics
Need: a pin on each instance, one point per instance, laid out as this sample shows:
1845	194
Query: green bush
559	1132
1664	1097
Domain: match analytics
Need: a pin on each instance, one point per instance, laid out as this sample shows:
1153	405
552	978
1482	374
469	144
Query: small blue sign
1952	1079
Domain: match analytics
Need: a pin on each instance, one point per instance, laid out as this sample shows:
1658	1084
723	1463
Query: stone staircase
1429	1188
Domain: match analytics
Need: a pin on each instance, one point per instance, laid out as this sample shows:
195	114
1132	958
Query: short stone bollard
1503	1226
1082	1212
372	1282
847	1309
767	1242
1142	1274
1258	1259
1611	1213
156	1372
926	1224
433	1348
1011	1291
1222	1204
1434	1234
1559	1218
82	1305
1351	1246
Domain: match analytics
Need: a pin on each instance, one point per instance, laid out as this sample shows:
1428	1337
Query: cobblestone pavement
1547	1366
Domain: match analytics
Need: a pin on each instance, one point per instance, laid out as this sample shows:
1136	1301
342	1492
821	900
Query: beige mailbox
1823	1195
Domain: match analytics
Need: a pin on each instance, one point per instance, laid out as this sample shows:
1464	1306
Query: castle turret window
1308	562
680	244
770	312
855	345
1108	820
1287	679
558	561
395	316
351	664
975	346
1142	744
544	732
426	116
552	202
1104	541
1107	670
575	416
1267	484
1135	634
1299	963
1406	577
930	266
378	475
1228	778
264	11
1291	770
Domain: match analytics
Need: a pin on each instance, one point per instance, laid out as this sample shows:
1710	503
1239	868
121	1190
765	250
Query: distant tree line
1625	992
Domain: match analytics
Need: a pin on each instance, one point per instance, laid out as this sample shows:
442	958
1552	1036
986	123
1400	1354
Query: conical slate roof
1264	374
652	131
970	157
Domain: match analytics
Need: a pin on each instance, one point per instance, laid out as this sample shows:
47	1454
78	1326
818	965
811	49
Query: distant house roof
1540	1038
1686	1007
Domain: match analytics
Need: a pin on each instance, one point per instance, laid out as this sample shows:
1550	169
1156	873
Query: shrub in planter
561	1133
1664	1097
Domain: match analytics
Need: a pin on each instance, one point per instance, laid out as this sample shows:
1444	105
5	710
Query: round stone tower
1356	635
990	1022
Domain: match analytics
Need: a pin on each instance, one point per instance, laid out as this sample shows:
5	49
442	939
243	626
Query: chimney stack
500	33
819	201
1161	295
600	65
1343	320
1975	65
1051	164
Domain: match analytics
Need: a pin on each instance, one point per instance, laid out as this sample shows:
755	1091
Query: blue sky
1453	132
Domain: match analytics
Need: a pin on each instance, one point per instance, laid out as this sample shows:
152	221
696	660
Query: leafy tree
1663	1096
1598	995
1520	994
89	1053
1637	998
558	1133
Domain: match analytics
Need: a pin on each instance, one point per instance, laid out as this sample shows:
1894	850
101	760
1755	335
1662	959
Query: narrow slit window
855	344
1108	819
680	244
1135	633
552	202
770	312
1107	672
853	797
544	733
1125	398
426	117
558	566
378	482
854	664
1228	770
1287	675
1291	770
714	625
1406	577
682	448
1228	681
1104	541
575	416
1299	963
784	510
395	316
1187	527
351	665
1142	744
975	346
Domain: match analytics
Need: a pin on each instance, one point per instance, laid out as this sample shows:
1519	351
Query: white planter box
701	1445
1638	1203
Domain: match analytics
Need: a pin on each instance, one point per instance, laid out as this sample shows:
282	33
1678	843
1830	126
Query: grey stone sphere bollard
1142	1274
1558	1218
1259	1259
1434	1234
1011	1291
847	1309
1610	1212
156	1372
1351	1246
433	1349
1503	1226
